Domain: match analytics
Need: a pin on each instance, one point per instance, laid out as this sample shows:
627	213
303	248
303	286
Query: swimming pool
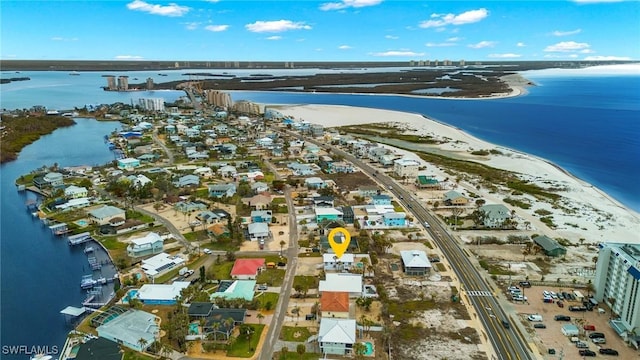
131	294
193	328
82	223
369	347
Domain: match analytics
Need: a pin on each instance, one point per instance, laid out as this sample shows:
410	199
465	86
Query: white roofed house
342	282
337	336
259	187
103	215
315	183
129	328
333	263
203	171
258	231
139	180
187	180
160	264
149	244
407	168
75	192
264	142
161	294
228	171
415	262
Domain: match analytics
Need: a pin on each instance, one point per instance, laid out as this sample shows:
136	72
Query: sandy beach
585	213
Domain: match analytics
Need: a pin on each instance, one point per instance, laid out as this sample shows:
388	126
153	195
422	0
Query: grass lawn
265	298
272	277
403	311
292	355
310	282
267	258
294	333
242	347
132	355
221	271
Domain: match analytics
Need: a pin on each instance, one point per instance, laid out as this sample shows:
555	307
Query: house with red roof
334	304
247	269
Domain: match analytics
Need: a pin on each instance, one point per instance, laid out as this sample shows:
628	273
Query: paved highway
508	343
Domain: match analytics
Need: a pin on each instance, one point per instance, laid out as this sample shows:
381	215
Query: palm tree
359	349
260	317
143	343
282	243
228	324
215	327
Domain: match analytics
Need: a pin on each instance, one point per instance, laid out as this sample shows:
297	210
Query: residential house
258	232
381	199
337	336
314	183
333	263
127	329
189	206
52	179
376	153
235	289
159	264
187	180
76	192
99	348
316	130
261	216
228	171
204	171
218	231
104	214
454	198
198	310
138	181
258	202
128	164
329	214
368	190
387	159
218	323
334	305
549	246
161	294
310	157
259	187
208	217
495	215
147	158
222	190
247	269
342	282
149	244
347	214
427	182
323	201
415	262
341	167
406	168
395	219
264	142
301	169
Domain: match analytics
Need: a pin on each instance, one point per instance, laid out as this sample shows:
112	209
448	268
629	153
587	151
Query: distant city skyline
333	30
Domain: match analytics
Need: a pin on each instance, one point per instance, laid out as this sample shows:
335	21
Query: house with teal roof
236	289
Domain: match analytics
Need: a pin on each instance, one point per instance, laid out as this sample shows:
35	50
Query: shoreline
600	216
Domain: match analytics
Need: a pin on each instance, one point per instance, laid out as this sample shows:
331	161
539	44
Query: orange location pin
339	247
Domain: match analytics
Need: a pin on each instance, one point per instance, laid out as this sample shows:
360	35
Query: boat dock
59	229
79	238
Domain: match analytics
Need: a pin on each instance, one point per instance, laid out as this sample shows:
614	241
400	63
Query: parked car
262	287
608	352
535	318
547	299
525	284
189	273
207	251
586	353
599	340
577	308
560	304
582	345
589	327
540	326
562	318
594	335
513	288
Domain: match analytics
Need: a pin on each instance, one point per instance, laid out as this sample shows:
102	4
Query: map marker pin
339	247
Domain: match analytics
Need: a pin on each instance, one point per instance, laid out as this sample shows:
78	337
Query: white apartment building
407	168
617	283
151	104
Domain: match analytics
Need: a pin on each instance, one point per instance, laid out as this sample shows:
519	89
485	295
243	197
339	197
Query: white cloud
444	44
173	9
468	17
129	57
392	37
275	37
567	46
191	25
216	28
454	39
60	38
505	56
397	53
276	26
566	33
348	4
606	58
521	44
344	47
586	51
482	44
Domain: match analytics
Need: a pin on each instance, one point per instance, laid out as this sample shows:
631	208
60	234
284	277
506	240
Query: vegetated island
20	131
8	80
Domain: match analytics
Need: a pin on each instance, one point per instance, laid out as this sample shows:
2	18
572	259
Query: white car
599	340
207	251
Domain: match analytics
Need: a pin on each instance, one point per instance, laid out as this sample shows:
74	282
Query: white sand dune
585	212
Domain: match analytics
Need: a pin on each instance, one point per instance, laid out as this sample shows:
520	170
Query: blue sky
333	30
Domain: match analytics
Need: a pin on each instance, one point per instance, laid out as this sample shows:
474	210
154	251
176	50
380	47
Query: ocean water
587	123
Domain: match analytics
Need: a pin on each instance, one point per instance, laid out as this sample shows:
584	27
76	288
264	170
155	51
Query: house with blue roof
381	199
261	216
395	219
187	180
222	190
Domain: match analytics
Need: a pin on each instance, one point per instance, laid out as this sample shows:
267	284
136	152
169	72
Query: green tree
301	349
359	349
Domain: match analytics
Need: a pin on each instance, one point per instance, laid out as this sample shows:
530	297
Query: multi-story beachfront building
123	83
149	84
219	98
111	83
617	283
152	104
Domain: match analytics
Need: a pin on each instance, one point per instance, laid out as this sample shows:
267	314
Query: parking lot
551	337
